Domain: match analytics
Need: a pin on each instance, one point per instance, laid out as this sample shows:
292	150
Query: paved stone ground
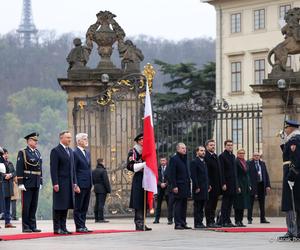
163	236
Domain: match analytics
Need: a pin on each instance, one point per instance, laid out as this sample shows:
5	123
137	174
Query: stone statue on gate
291	44
105	32
78	56
131	56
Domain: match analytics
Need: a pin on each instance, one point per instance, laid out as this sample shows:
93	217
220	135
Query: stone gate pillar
277	100
107	102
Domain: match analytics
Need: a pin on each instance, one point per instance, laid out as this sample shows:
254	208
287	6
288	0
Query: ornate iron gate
112	119
196	121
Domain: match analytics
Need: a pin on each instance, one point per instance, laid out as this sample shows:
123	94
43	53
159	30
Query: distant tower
27	28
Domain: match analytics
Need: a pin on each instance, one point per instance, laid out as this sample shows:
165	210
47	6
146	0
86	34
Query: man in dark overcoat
179	176
63	181
136	164
242	198
8	187
229	186
101	188
215	176
260	184
83	173
162	189
199	176
291	179
29	174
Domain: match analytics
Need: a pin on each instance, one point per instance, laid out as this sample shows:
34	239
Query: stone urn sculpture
104	36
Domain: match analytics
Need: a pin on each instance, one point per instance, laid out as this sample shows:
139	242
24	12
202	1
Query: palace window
259	19
236	74
237	131
236	23
259	71
283	9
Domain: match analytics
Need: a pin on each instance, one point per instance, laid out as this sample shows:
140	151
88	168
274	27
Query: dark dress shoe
102	221
179	228
199	226
186	227
141	228
286	237
36	230
170	222
88	230
67	231
81	230
239	224
213	225
249	221
59	231
228	225
156	222
27	230
264	221
9	225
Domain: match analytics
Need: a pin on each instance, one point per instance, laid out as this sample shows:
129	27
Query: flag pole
145	209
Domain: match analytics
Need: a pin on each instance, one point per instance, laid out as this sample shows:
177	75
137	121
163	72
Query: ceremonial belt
32	172
286	163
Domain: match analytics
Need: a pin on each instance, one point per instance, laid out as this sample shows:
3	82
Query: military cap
292	123
33	136
139	137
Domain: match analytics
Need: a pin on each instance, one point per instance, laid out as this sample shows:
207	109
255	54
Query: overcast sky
169	19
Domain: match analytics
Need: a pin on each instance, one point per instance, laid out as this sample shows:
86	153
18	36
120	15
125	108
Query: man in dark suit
101	189
162	190
215	177
83	173
64	182
136	164
29	174
199	176
260	186
179	177
229	185
8	188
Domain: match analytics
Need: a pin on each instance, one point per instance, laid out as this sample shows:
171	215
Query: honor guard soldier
29	174
290	203
136	165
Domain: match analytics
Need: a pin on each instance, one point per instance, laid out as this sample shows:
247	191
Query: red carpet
28	236
249	229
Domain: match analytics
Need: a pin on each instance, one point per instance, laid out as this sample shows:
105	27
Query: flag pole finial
149	73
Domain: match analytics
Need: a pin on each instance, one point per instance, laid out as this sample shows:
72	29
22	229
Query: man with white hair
180	184
83	172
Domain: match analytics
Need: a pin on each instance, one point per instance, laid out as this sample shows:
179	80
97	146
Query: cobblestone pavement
163	236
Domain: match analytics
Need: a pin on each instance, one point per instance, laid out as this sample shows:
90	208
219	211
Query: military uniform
137	191
291	176
29	174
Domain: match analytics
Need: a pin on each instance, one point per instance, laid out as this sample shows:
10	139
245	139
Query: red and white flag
149	152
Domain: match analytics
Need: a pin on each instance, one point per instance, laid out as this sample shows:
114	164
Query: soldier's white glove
41	186
291	184
2	168
138	166
22	187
